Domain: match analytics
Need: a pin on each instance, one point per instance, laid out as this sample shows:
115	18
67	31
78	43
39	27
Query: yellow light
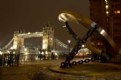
25	49
14	52
56	54
29	33
8	51
106	6
1	53
106	1
102	32
42	53
26	53
14	46
46	52
107	12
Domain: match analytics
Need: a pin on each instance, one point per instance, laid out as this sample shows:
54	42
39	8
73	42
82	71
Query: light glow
25	49
45	42
14	46
106	1
62	17
69	41
29	33
26	53
1	53
46	52
102	32
83	45
117	12
56	54
42	53
107	6
107	12
14	52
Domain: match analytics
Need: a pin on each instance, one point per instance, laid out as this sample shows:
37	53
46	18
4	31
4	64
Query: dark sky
32	15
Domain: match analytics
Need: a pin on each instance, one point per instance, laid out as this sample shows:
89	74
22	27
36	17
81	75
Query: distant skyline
32	15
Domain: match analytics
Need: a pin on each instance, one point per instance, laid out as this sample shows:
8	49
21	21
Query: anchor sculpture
107	52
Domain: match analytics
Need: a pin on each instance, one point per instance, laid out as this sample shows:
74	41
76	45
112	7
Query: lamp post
69	41
83	46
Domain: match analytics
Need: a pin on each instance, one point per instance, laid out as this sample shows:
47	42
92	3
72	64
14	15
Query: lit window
106	6
107	12
106	1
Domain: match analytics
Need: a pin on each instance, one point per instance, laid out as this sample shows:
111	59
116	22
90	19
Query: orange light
117	12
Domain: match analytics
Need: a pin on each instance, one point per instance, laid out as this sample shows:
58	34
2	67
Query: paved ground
90	71
25	71
49	70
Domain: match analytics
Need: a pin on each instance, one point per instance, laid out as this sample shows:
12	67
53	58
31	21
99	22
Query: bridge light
29	33
36	32
8	51
26	53
56	54
14	46
14	52
42	53
46	52
25	49
1	53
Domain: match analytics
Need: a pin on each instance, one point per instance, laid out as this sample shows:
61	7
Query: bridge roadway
50	70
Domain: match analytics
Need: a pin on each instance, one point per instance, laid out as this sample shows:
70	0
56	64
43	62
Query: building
107	13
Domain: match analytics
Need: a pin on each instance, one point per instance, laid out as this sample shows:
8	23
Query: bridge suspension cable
7	46
60	43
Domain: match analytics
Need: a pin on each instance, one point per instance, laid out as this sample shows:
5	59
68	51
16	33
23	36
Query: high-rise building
107	13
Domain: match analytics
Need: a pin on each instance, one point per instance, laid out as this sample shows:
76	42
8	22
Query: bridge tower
18	42
48	37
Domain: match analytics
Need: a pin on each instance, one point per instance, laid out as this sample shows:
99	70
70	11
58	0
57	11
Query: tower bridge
16	47
49	42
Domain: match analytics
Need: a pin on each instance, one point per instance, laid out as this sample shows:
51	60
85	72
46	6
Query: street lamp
69	41
83	46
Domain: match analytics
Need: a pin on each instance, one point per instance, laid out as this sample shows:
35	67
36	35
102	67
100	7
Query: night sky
32	15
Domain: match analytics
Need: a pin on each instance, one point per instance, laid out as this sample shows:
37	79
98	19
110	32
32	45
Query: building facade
107	13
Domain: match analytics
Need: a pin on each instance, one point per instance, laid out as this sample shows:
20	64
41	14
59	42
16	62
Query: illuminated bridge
50	44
